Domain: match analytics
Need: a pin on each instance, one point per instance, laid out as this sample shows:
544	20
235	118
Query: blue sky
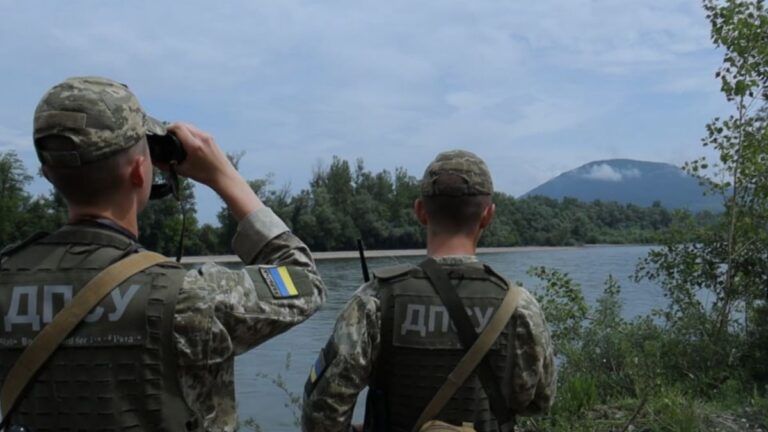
535	88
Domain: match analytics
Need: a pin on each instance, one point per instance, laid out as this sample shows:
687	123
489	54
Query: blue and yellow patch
279	282
318	368
324	359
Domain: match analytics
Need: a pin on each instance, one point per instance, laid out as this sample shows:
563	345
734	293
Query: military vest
420	346
116	371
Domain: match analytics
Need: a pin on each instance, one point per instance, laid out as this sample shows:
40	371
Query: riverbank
383	253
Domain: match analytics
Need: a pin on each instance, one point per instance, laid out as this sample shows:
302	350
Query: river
268	405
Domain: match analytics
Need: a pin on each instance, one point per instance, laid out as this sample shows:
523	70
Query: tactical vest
420	346
117	370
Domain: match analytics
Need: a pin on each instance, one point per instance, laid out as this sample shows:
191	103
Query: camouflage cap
456	173
100	116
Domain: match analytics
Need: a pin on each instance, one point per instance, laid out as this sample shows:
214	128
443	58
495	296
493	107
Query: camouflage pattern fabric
101	117
456	173
356	341
222	313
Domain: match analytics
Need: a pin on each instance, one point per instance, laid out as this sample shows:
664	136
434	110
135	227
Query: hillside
630	181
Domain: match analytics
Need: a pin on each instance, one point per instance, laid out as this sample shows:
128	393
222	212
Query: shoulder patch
392	272
279	282
324	359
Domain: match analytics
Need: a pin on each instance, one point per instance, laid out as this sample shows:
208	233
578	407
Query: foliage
161	223
13	179
345	202
717	286
21	214
644	372
699	363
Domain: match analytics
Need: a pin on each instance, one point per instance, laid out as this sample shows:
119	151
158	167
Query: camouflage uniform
222	313
219	313
356	343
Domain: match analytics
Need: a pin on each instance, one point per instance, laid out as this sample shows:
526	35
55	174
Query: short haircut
93	183
453	215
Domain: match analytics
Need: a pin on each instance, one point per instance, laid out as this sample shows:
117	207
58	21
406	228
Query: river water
268	405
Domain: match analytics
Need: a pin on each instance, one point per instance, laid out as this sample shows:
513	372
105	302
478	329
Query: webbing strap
468	337
50	337
472	358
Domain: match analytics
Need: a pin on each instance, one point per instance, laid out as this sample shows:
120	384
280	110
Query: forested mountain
631	182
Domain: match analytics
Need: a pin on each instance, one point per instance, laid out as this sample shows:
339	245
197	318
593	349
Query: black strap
377	407
467	336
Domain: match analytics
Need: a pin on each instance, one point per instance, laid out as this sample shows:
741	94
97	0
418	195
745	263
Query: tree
717	286
44	213
13	198
160	223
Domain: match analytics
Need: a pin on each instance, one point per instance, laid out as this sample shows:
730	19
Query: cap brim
154	126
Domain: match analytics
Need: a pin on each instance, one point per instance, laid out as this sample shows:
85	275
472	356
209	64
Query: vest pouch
439	426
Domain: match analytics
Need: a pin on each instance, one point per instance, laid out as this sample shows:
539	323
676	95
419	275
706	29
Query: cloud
605	172
616	36
534	87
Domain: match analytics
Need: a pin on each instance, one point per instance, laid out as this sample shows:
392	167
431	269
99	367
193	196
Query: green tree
45	213
13	198
717	286
160	223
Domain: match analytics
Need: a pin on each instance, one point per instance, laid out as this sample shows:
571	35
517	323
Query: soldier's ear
420	211
137	174
487	216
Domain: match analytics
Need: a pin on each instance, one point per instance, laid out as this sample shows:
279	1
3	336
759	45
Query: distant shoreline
319	256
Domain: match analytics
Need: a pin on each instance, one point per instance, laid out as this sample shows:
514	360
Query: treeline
344	202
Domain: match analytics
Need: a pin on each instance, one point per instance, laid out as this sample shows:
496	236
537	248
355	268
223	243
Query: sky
536	88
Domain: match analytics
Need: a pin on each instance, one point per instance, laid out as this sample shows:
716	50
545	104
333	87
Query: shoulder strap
13	247
50	337
467	335
472	358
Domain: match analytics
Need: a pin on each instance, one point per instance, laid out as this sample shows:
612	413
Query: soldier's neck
440	246
126	219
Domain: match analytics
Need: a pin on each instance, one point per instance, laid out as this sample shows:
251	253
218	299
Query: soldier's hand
207	164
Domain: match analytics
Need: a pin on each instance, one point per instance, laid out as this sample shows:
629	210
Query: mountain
631	181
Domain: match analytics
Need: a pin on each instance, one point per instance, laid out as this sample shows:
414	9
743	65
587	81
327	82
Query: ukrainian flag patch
279	282
324	359
317	369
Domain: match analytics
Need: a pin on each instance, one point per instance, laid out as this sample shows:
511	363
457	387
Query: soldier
395	336
158	352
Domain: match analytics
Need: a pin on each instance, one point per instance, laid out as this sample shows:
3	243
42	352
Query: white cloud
605	172
534	87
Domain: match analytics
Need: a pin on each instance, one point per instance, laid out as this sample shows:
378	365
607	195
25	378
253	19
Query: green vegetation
700	363
647	373
341	205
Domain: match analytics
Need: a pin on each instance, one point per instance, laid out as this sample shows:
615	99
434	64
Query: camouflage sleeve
221	312
343	367
533	381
